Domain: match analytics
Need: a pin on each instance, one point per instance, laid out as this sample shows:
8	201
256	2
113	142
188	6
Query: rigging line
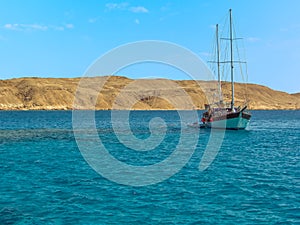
246	72
224	19
225	66
245	79
213	66
246	86
224	46
212	53
225	56
239	58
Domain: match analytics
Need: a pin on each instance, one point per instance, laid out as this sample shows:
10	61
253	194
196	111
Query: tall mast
231	61
218	60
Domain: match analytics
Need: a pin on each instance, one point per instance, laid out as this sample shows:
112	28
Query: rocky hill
117	92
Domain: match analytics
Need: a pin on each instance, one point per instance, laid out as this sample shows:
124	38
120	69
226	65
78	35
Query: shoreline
117	92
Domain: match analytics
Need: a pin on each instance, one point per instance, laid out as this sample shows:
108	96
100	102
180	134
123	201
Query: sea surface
44	178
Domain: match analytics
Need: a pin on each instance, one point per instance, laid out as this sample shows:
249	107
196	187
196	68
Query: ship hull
232	121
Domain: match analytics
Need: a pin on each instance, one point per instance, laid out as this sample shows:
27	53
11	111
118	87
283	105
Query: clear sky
61	38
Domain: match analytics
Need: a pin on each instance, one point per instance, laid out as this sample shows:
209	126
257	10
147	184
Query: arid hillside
117	92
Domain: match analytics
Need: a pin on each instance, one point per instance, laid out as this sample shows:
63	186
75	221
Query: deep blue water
254	179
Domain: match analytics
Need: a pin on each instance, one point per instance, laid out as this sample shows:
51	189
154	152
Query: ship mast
218	60
231	61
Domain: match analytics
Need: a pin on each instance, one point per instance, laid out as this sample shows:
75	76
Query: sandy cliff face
123	93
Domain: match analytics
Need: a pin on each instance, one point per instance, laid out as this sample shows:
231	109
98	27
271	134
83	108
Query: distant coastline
59	94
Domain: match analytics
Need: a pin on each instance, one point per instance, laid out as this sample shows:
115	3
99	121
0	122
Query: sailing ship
221	115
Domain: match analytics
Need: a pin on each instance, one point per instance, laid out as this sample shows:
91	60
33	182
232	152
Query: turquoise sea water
254	179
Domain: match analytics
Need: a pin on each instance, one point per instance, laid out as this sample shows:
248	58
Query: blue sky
53	38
